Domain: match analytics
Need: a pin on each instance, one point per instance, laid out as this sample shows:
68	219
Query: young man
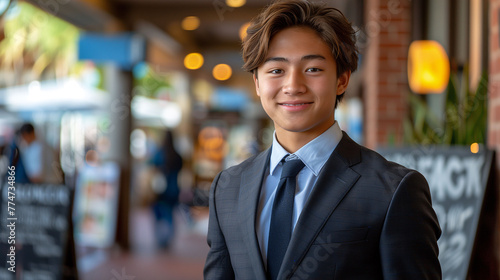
350	214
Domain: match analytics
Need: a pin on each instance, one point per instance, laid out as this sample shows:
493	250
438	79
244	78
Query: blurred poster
96	201
242	144
211	148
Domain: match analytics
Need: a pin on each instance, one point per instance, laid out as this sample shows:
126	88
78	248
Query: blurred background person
35	160
165	183
25	153
15	158
31	153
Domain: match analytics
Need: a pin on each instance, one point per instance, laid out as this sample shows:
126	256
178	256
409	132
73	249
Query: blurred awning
8	118
60	95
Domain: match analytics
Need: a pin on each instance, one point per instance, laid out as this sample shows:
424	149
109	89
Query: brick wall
388	24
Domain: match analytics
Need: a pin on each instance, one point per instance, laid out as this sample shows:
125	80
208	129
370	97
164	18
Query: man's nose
294	83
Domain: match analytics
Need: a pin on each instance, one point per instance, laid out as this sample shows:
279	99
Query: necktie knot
291	168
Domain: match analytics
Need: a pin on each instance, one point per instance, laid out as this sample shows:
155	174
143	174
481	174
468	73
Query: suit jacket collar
251	183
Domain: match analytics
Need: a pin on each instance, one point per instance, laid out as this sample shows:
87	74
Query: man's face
298	83
28	137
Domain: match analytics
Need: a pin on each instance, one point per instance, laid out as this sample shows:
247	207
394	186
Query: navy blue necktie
281	227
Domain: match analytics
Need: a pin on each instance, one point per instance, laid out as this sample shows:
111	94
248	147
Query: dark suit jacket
366	218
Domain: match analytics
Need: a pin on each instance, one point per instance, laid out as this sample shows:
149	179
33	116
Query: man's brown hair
330	24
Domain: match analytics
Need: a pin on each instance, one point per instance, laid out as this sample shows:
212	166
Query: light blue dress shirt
32	158
314	155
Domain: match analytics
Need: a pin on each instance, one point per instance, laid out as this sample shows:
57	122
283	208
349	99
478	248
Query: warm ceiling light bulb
243	30
190	23
235	3
193	61
222	72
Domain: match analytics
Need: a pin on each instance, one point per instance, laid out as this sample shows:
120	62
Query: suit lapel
334	182
251	182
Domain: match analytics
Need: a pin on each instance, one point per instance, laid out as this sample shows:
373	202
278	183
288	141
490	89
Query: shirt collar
314	154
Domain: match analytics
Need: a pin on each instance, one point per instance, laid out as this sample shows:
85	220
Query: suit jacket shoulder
371	164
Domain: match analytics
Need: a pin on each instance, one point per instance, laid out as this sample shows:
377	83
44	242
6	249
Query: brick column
388	27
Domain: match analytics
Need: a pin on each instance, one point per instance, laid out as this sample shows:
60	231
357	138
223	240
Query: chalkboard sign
33	245
457	180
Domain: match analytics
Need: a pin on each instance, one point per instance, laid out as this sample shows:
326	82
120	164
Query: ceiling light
235	3
190	23
193	61
243	30
222	72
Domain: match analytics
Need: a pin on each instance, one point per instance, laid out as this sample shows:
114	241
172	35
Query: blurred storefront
124	72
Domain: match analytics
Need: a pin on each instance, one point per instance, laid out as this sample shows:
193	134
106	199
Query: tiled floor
184	260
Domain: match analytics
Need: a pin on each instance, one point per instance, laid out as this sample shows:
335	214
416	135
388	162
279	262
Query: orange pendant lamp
428	67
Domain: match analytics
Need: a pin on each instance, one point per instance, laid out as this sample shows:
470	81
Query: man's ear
343	82
256	81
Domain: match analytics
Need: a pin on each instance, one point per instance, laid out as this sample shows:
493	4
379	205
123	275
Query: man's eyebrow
313	56
281	59
306	57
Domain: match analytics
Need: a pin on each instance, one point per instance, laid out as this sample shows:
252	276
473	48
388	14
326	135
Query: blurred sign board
37	241
228	99
96	205
123	49
457	180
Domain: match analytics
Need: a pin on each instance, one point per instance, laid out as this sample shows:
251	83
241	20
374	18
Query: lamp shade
428	67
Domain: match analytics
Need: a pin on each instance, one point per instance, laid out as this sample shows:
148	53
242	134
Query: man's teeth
299	104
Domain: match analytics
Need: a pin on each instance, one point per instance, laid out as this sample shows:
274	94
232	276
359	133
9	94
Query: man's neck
292	141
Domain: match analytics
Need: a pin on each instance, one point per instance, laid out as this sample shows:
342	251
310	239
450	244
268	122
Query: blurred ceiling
160	21
219	24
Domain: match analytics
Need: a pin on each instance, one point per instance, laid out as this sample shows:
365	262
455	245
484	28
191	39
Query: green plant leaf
465	115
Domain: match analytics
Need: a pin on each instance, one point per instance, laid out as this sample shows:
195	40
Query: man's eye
276	71
313	69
